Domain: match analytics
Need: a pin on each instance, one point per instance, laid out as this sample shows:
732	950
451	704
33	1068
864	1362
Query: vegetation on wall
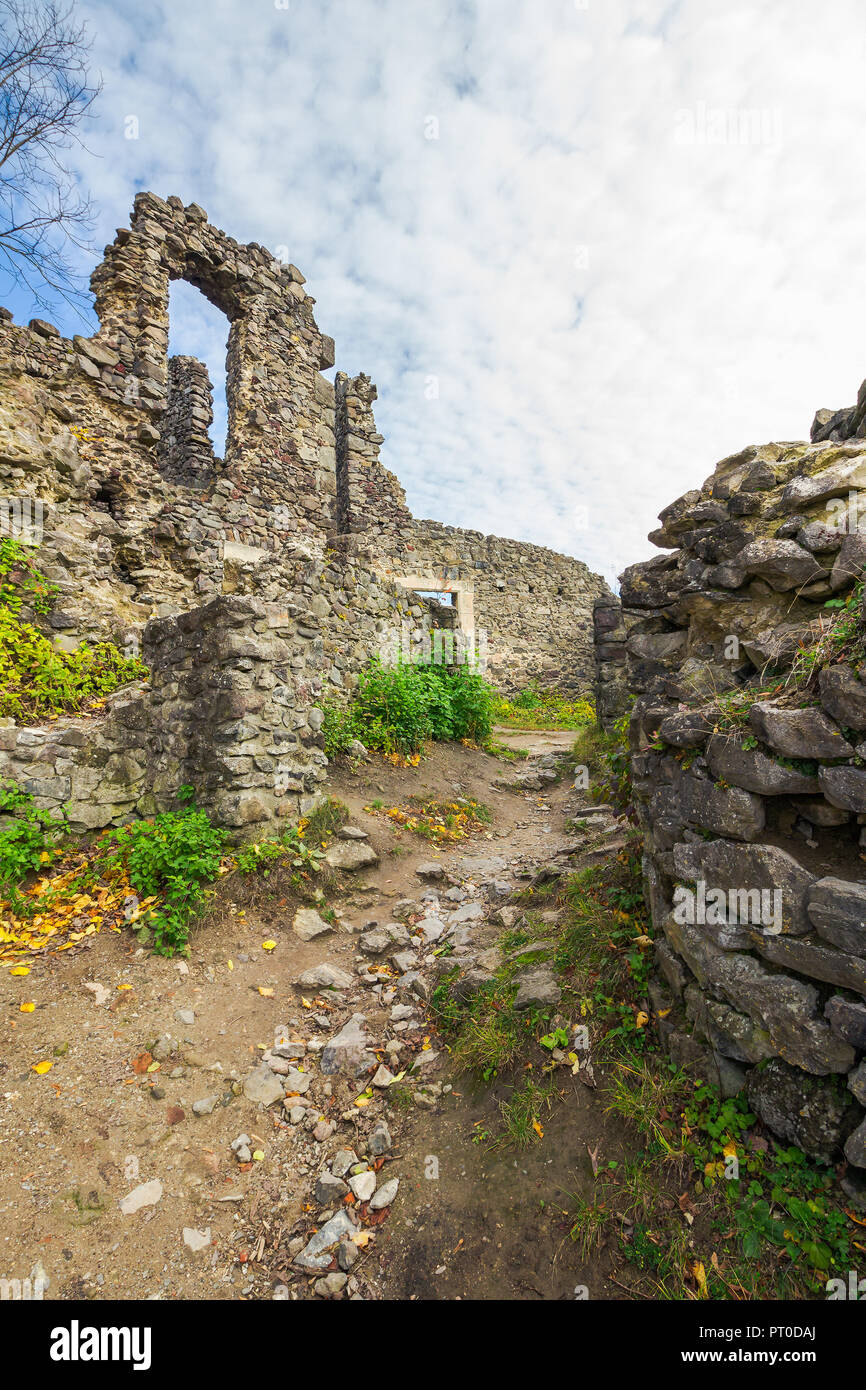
842	637
21	582
37	680
29	837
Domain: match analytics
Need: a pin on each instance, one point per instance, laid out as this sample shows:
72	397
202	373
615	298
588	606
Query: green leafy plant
171	858
29	839
789	1204
396	708
542	707
290	848
21	582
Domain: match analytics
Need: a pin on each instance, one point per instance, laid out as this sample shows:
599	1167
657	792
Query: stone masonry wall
96	769
533	606
185	452
111	440
748	737
233	702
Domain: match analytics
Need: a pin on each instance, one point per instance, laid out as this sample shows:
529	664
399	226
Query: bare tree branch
45	95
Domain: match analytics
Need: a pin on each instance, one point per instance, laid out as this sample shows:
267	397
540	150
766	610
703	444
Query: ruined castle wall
96	770
112	439
370	500
748	738
156	545
280	446
532	605
113	443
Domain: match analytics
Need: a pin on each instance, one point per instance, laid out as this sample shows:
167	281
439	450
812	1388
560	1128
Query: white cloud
608	311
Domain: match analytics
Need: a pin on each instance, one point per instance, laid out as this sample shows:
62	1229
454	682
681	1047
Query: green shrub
28	842
473	704
396	708
36	680
171	858
337	728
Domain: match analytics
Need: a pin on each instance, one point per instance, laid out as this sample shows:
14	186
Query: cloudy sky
584	249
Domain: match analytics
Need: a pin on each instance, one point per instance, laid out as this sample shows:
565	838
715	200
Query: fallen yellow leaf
41	1067
268	945
27	1008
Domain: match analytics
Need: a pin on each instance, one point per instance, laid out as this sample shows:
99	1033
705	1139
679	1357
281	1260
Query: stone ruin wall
232	704
159	546
773	801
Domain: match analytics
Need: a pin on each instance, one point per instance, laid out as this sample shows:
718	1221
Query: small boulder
537	988
307	924
385	1195
329	1189
262	1087
326	976
430	870
350	856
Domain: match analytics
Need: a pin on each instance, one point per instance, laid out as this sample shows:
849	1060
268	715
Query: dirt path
482	1222
157	1070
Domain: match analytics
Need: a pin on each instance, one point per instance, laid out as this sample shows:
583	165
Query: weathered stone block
753	770
844	787
837	908
798	733
800	1109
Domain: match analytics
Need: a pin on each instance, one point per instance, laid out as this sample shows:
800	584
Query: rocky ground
276	1117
